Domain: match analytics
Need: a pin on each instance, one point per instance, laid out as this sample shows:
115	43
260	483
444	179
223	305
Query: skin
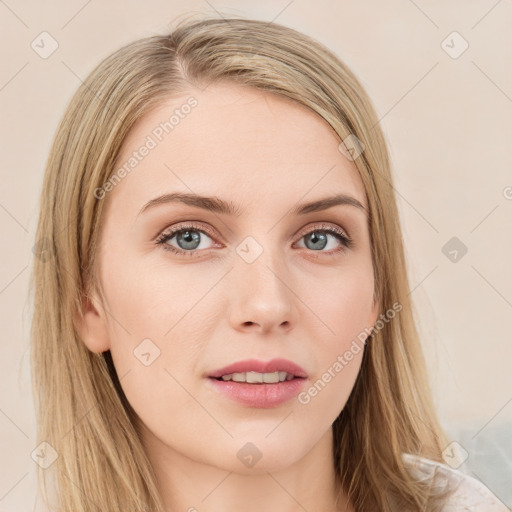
266	154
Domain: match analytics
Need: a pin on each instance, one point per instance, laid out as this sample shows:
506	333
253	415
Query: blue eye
189	239
187	236
319	239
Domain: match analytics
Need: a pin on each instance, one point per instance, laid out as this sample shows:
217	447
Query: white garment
471	495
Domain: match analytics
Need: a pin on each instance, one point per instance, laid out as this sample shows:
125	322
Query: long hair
81	410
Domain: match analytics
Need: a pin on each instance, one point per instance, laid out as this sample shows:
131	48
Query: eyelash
342	236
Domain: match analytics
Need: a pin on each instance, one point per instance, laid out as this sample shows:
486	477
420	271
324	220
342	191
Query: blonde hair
81	409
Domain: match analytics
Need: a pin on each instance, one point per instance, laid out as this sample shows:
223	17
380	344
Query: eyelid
323	226
184	225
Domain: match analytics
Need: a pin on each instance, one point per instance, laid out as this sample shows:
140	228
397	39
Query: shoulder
469	494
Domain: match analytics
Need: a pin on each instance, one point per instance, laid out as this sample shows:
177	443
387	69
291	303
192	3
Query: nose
262	296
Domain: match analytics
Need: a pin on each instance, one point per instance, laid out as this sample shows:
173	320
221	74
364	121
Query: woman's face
271	279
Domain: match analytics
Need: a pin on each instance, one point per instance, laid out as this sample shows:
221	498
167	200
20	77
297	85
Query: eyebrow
218	205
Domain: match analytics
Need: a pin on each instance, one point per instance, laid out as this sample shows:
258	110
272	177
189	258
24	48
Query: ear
91	324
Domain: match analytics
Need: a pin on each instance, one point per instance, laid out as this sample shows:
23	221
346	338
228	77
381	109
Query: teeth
258	378
253	377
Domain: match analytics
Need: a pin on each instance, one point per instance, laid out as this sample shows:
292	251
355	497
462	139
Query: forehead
236	142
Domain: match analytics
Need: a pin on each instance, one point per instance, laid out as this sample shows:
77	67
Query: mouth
257	377
259	384
254	371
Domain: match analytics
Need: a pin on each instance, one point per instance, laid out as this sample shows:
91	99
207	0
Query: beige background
448	125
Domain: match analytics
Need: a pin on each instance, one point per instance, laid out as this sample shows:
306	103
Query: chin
260	454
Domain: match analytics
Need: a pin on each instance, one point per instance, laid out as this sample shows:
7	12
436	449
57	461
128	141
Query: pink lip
261	395
253	365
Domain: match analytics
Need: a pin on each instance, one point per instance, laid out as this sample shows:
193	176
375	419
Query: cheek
329	391
344	306
148	300
345	314
151	318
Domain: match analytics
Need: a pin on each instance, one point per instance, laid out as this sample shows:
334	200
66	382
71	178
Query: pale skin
296	300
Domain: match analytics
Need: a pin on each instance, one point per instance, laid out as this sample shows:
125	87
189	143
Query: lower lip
259	395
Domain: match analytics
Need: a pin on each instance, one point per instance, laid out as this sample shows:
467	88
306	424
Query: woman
224	320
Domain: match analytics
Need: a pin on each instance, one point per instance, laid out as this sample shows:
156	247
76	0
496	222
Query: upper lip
254	365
